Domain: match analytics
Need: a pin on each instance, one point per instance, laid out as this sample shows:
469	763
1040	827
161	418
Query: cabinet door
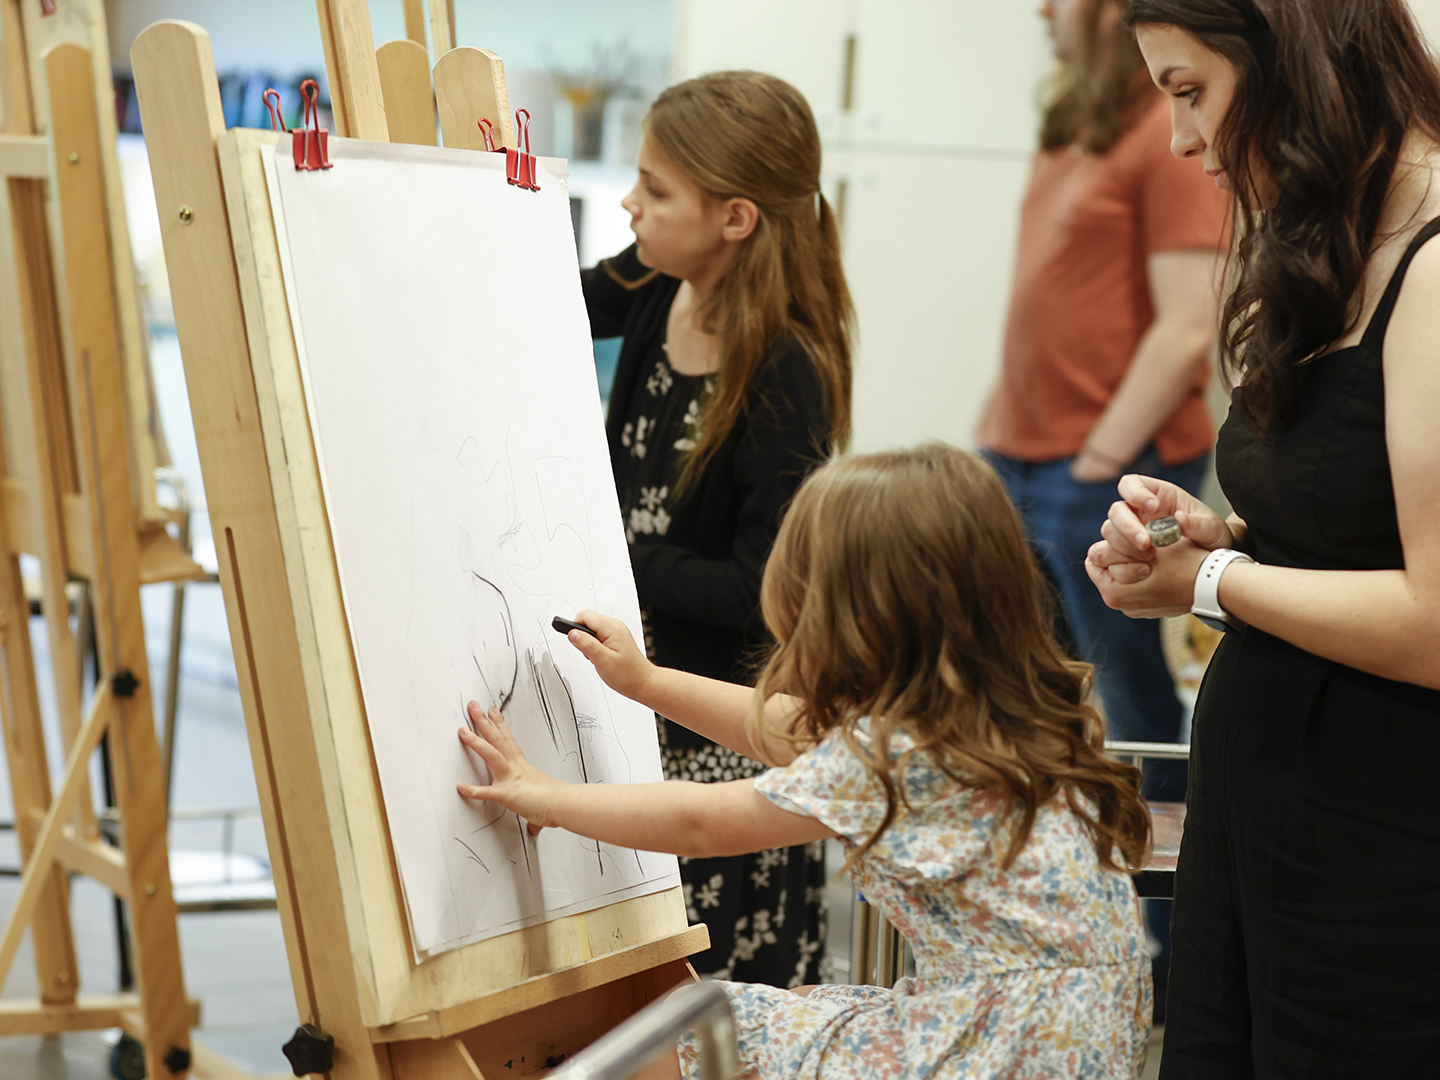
929	255
948	75
801	41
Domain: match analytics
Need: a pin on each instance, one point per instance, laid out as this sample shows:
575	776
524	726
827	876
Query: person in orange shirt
1107	346
1112	318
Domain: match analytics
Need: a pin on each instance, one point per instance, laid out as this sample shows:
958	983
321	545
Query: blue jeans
1063	517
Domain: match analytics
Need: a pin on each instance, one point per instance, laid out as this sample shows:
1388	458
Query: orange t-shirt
1081	301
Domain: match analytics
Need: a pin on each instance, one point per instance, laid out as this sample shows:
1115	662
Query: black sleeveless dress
1307	900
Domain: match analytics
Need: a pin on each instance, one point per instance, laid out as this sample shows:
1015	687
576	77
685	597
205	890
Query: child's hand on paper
514	783
617	659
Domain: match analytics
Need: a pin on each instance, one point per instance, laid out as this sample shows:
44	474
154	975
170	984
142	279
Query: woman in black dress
1307	901
733	384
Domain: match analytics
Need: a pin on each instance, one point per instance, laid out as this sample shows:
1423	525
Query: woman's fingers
1205	527
1129	573
1122	532
1109	554
1152	497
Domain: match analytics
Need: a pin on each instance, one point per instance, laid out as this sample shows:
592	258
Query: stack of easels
508	1006
77	461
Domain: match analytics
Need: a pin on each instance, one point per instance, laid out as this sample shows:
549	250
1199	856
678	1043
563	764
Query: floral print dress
766	910
1039	971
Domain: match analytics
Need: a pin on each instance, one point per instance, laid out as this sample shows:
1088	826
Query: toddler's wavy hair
901	588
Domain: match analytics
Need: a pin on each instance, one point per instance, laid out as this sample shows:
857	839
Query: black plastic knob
124	683
310	1050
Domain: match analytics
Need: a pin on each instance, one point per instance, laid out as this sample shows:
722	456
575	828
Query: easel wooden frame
503	1007
73	502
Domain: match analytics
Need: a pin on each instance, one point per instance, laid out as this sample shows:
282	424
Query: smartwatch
1206	606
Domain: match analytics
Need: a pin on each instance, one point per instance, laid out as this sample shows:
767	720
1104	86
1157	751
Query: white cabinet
941	74
801	41
929	256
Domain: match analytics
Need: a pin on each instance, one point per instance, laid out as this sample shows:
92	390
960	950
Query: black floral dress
765	911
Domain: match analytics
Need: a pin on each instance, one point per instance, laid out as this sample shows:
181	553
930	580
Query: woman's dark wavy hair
1325	93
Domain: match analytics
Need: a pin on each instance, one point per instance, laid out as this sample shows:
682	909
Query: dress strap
1374	337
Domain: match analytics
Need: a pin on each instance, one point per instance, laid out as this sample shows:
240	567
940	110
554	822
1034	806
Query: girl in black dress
1307	901
733	383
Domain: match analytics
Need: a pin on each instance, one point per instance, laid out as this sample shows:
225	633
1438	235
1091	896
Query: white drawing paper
449	374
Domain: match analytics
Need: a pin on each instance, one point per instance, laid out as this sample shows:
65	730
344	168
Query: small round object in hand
1163	531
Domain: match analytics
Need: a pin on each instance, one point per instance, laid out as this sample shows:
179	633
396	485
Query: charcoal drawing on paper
449	376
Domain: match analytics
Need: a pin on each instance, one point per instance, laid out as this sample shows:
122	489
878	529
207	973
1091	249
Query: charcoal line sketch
450	384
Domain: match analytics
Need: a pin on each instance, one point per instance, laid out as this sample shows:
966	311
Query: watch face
1214	624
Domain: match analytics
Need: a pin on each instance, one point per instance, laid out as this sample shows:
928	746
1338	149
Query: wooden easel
79	439
504	1007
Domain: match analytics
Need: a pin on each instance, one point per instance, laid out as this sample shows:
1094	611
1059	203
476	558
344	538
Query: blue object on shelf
607	356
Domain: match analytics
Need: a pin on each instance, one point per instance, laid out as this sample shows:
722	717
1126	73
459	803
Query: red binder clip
47	7
487	129
520	167
310	145
272	103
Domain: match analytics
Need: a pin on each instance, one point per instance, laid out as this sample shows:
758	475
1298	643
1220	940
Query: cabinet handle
847	89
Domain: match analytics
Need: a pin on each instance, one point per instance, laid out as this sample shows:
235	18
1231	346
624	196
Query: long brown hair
741	134
1093	97
1325	94
901	589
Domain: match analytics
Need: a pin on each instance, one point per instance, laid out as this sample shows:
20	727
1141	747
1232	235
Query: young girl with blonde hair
733	383
916	707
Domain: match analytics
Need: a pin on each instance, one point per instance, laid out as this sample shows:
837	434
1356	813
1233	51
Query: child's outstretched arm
698	820
717	710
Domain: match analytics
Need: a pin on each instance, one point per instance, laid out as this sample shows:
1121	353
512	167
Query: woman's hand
1134	576
514	783
1143	499
1163	586
617	659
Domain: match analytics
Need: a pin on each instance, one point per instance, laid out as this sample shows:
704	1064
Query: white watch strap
1206	604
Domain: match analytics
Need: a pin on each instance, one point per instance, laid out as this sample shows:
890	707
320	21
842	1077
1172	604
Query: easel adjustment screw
124	683
310	1050
187	214
177	1059
74	158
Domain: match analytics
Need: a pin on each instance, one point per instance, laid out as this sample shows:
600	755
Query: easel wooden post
504	1007
75	504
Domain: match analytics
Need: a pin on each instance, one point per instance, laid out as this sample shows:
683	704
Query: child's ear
741	217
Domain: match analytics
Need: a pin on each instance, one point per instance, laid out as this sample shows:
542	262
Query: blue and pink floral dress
1038	971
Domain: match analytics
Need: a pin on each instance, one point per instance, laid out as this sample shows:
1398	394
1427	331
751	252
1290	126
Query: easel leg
96	382
42	858
51	473
54	941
